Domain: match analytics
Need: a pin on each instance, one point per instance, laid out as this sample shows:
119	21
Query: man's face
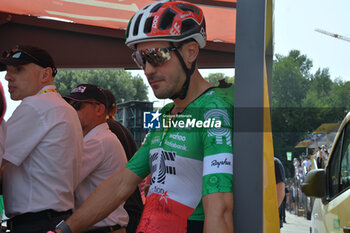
87	113
23	80
167	79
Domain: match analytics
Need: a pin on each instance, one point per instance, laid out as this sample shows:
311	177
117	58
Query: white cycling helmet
172	21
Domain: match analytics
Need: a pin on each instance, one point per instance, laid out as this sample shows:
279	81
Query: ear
191	51
46	74
101	110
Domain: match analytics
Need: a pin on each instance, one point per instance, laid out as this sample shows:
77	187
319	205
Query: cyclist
189	153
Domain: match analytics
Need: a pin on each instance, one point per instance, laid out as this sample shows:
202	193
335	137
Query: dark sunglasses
154	56
77	104
18	53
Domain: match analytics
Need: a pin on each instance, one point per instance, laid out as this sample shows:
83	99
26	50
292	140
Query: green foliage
215	77
302	101
124	86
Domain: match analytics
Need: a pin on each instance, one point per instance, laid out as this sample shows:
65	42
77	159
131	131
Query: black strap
188	72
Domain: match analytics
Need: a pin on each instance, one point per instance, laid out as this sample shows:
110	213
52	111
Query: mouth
11	89
154	81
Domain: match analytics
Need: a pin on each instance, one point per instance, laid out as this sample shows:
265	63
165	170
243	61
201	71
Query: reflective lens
154	56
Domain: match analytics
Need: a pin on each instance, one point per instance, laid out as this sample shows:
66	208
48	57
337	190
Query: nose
8	77
149	69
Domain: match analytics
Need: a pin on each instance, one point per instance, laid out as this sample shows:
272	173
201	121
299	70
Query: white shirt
103	155
43	149
3	129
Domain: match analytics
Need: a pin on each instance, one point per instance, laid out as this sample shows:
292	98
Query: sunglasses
154	56
77	104
18	53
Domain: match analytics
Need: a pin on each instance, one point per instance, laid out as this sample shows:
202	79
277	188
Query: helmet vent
186	7
156	7
148	25
167	19
137	24
188	25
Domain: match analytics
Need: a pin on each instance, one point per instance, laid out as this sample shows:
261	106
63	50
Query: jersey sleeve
279	171
139	163
218	149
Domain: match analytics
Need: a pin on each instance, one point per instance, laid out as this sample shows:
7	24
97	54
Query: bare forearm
106	198
218	209
219	225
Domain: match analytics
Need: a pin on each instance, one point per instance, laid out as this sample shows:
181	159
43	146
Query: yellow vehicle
331	187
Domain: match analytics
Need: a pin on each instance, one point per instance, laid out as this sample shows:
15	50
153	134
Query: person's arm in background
106	198
280	180
218	209
280	192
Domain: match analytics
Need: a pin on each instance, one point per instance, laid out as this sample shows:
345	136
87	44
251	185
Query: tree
289	87
302	101
290	79
124	86
215	77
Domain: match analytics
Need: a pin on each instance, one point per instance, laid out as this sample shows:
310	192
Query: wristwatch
63	226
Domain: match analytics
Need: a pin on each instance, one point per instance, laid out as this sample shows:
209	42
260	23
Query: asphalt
295	224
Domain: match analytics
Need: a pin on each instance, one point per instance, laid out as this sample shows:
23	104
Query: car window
339	164
333	169
345	162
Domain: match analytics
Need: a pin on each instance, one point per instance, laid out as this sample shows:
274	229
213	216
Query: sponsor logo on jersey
164	197
178	137
218	163
222	135
156	189
161	167
175	145
151	120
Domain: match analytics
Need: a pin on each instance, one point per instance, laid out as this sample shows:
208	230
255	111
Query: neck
197	86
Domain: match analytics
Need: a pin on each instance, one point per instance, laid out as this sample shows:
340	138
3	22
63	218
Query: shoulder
216	98
47	103
115	126
167	108
101	141
278	162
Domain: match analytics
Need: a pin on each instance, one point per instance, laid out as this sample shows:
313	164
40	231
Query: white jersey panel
173	177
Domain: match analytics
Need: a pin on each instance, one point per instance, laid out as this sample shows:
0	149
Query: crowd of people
296	200
64	159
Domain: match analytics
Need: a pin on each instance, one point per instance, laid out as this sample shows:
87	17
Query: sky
294	28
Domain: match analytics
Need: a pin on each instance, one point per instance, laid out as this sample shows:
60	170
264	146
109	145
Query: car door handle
346	229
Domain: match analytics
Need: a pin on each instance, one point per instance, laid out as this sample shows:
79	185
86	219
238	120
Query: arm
280	180
280	192
218	209
106	198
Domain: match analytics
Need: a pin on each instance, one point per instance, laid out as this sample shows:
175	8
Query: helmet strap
188	72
